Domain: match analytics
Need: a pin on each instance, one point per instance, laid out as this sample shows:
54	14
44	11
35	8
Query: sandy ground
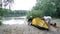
26	29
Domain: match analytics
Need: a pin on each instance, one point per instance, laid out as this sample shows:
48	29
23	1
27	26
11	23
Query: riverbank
26	29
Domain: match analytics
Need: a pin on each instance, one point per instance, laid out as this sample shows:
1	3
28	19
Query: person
47	20
30	20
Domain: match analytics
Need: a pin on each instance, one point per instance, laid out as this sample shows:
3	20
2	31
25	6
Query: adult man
47	20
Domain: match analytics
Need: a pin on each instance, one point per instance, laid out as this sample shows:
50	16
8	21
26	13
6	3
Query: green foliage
10	13
49	7
17	13
3	12
0	23
35	13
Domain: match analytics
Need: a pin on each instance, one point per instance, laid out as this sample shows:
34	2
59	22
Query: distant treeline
10	13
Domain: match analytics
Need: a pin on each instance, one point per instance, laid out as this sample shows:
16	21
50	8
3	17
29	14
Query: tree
49	7
8	2
0	3
3	12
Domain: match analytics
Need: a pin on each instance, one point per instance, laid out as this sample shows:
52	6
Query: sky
23	4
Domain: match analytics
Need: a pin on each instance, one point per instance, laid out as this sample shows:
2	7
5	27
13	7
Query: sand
27	29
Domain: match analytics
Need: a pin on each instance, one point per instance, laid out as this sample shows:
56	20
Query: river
14	20
23	28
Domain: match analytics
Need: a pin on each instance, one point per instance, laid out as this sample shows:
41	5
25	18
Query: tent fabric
39	22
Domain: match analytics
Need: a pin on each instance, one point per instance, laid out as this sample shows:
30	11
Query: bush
35	13
0	23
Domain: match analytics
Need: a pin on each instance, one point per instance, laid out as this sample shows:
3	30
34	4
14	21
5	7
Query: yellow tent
39	22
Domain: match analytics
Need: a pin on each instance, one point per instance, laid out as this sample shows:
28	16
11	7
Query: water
14	20
28	29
